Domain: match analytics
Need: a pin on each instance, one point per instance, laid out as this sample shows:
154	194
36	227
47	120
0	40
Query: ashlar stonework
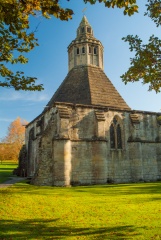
87	134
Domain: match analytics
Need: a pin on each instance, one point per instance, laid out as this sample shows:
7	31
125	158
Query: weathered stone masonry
87	133
75	147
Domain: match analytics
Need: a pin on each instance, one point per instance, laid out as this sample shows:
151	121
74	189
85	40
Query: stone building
87	133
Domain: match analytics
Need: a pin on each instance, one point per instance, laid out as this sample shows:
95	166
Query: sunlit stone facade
88	134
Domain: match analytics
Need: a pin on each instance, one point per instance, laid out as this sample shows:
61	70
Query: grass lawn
6	169
125	211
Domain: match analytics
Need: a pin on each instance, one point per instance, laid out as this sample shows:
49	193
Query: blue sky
49	62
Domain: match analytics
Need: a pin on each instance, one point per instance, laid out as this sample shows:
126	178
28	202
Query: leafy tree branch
15	39
146	64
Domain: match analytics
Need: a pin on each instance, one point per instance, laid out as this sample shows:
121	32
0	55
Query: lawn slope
125	211
6	169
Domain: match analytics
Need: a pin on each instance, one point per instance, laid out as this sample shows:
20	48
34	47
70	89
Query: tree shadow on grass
151	189
53	229
113	189
124	189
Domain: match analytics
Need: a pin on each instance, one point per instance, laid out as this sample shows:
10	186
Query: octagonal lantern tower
85	49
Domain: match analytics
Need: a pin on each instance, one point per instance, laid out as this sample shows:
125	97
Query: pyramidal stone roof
88	85
86	82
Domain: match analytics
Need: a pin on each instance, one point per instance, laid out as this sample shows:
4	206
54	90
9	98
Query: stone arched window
95	50
77	50
82	29
88	29
90	49
83	49
31	134
40	124
119	137
115	134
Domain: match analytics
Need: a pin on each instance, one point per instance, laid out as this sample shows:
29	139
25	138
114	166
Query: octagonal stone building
87	133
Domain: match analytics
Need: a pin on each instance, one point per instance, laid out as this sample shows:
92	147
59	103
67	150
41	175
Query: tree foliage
146	64
154	11
129	6
12	143
16	38
4	152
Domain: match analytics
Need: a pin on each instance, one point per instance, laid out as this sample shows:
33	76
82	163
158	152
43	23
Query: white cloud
6	120
16	96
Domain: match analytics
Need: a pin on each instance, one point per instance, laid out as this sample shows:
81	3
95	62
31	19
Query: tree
146	64
3	152
15	138
16	40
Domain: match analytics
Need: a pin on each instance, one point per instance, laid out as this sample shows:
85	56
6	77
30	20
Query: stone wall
74	146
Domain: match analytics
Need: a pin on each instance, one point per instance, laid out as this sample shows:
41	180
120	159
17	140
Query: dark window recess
83	49
88	29
40	143
77	50
115	135
31	134
112	136
82	29
115	120
95	50
90	50
40	124
119	140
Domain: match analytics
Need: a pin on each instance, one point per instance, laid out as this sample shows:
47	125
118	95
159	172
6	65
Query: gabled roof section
88	85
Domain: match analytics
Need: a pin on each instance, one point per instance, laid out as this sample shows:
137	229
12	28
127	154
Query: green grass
6	169
125	211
